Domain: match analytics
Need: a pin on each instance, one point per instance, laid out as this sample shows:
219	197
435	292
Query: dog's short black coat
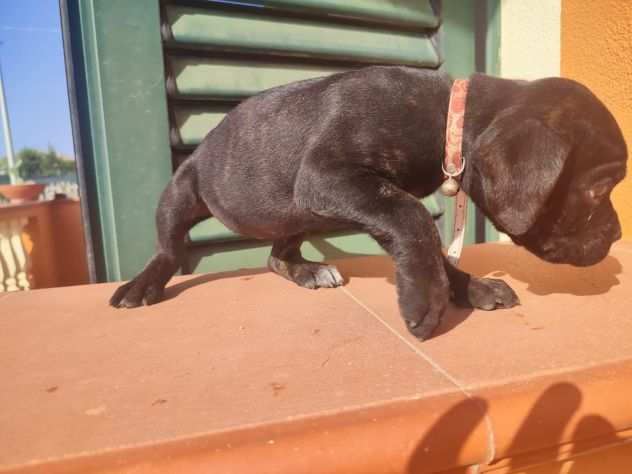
357	149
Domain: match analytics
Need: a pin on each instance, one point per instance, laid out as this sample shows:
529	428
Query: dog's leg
287	261
178	210
483	293
400	224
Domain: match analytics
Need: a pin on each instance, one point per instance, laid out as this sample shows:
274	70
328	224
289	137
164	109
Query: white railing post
17	227
13	256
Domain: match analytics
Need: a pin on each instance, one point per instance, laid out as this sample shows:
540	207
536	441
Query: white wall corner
530	38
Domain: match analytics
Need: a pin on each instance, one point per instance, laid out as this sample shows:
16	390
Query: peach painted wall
596	49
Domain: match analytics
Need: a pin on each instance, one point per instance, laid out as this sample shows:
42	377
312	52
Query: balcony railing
41	245
13	257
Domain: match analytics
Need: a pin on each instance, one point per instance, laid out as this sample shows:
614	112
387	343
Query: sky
32	60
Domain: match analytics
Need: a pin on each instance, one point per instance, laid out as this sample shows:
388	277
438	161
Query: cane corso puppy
357	150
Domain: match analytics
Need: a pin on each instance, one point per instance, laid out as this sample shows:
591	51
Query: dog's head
544	168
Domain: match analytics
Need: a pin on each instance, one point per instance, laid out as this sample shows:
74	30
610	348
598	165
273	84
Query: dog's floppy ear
516	164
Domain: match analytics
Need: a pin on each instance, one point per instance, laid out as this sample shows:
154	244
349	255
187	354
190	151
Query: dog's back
380	118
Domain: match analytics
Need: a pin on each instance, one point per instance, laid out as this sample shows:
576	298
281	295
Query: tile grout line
491	439
415	349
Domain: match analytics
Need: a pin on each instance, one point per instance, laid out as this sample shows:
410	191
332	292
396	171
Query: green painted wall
120	91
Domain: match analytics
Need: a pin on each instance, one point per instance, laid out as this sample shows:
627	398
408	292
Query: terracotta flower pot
17	193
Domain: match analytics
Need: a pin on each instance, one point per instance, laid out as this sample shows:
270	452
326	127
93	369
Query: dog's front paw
137	293
423	329
423	315
487	294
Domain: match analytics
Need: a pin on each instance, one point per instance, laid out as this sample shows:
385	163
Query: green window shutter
257	32
403	13
193	122
193	77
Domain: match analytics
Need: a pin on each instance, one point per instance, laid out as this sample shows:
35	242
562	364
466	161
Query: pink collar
454	164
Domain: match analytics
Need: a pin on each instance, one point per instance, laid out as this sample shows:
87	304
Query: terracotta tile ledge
245	372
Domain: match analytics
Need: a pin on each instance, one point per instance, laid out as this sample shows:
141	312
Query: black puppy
357	150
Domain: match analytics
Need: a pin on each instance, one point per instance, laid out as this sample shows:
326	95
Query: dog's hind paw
317	275
487	294
136	293
307	274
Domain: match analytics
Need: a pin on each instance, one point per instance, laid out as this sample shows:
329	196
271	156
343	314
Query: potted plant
20	190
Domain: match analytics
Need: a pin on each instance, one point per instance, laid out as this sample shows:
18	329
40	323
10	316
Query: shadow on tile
498	261
379	267
382	268
542	278
452	317
175	289
445	440
538	438
540	435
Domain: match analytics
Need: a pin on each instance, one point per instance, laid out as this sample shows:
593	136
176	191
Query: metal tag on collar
458	234
450	185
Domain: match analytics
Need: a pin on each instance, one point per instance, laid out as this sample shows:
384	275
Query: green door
151	78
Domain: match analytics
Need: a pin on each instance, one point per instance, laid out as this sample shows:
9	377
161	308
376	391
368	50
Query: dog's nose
616	235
